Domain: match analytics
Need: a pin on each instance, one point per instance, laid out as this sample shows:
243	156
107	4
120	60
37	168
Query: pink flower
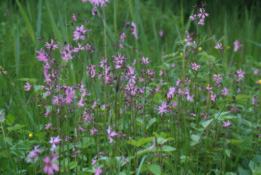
51	46
219	46
145	60
161	33
94	11
240	74
202	13
237	45
111	134
70	94
55	140
225	91
226	124
42	56
74	17
256	71
27	87
98	171
49	166
79	33
163	108
134	30
195	66
47	126
97	2
201	21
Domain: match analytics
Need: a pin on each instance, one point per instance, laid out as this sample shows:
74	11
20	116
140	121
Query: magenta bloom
27	87
134	30
49	166
237	45
226	124
79	33
195	66
161	33
111	134
97	2
240	75
74	17
70	94
51	46
42	56
219	46
98	171
163	108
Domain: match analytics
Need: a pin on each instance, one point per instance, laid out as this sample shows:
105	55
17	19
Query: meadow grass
156	117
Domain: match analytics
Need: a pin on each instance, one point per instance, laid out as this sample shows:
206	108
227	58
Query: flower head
98	171
49	165
226	124
111	134
27	87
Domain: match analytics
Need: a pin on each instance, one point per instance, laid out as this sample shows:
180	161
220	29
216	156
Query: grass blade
27	22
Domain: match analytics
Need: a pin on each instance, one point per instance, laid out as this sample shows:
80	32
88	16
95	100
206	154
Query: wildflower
181	54
51	46
259	82
98	171
225	91
190	97
94	11
209	88
97	2
66	53
213	97
219	46
111	134
237	45
228	47
217	78
195	66
201	22
202	13
79	33
93	131
193	17
163	108
171	92
134	30
161	33
33	155
188	39
49	165
27	87
74	17
200	49
240	75
70	94
30	135
226	124
145	60
256	71
42	56
47	126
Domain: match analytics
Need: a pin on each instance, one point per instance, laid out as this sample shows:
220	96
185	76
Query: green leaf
227	151
72	165
151	122
168	148
141	163
10	119
155	169
27	22
31	80
205	123
15	127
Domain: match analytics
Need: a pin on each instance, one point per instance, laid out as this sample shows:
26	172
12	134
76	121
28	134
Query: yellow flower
228	47
30	135
259	81
200	49
181	54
